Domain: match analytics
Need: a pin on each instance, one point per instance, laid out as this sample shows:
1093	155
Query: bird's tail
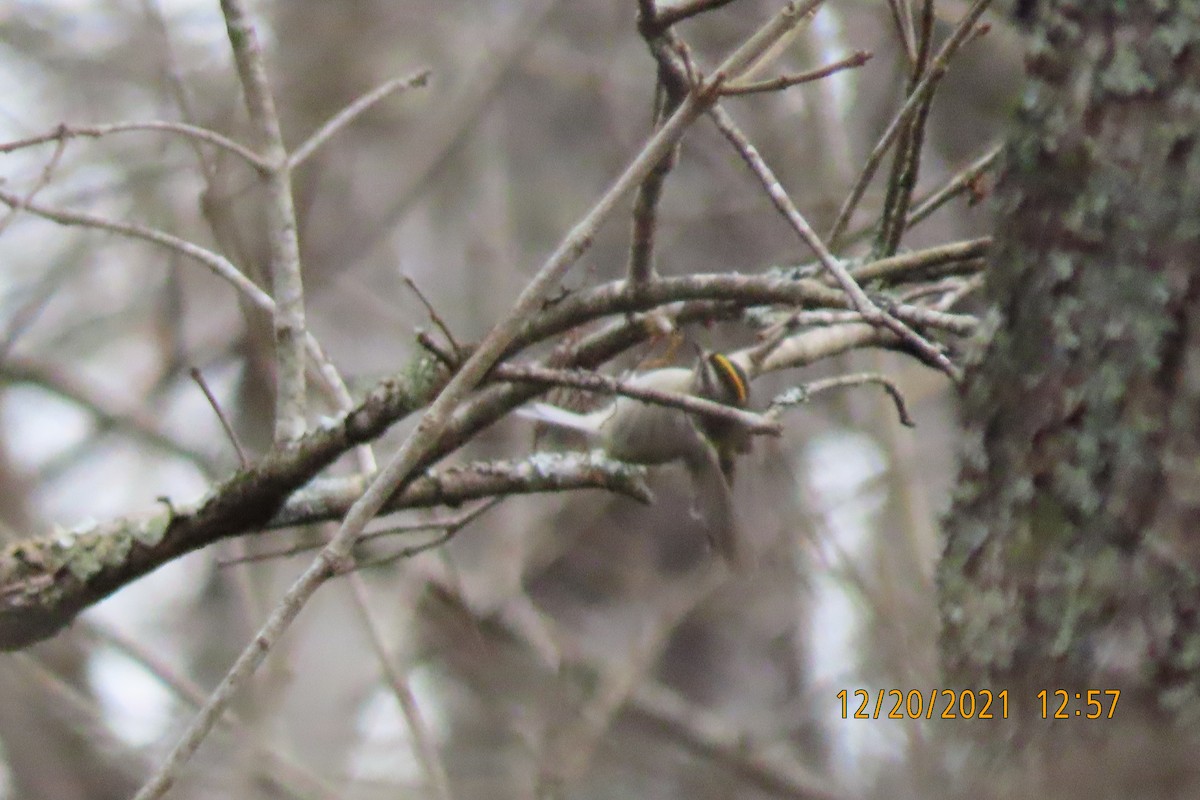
714	502
560	417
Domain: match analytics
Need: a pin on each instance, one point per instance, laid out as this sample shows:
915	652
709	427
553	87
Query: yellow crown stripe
733	376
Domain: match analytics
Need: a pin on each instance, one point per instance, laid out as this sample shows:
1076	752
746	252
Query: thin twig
919	261
923	348
809	346
965	256
434	143
219	265
177	87
756	51
451	361
673	83
923	291
194	132
425	745
966	180
198	377
806	392
787	81
797	320
939	65
352	112
336	389
41	183
331	380
906	163
570	749
924	40
434	316
645	219
452	523
669	93
107	412
596	382
969	286
450	529
282	768
39	296
902	18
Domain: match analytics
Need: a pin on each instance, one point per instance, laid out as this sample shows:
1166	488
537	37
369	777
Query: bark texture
1072	555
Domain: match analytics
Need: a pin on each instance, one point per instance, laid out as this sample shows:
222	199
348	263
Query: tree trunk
1072	557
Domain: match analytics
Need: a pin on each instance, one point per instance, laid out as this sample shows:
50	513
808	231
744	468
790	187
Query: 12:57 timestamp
1061	704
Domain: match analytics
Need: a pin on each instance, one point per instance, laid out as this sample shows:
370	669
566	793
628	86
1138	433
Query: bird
650	434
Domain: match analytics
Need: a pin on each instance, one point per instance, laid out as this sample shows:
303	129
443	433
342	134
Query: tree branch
287	288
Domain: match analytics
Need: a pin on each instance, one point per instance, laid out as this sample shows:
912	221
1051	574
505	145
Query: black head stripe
732	376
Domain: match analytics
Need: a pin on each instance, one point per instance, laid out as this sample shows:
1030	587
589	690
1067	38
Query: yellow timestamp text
1092	704
915	704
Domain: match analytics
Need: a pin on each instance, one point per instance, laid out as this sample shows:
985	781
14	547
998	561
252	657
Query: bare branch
858	298
722	741
594	381
106	411
45	582
906	163
328	499
277	766
446	525
216	262
669	93
425	745
811	346
806	392
436	142
198	377
902	18
870	312
939	65
287	286
41	183
760	47
226	512
352	112
965	181
920	261
787	81
194	132
436	319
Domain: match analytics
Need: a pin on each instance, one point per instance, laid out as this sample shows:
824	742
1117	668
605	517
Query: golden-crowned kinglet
644	433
